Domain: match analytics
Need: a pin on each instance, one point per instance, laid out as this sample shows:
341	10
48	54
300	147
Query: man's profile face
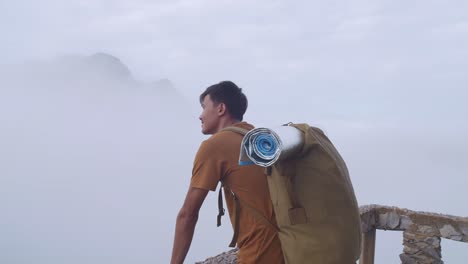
210	116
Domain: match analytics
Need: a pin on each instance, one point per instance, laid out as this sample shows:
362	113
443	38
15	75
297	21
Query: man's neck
227	123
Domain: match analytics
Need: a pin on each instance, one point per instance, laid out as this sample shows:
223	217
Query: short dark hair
231	95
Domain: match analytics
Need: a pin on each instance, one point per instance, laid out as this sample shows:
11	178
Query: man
224	106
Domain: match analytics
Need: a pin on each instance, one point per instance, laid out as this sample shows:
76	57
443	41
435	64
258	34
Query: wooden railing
422	232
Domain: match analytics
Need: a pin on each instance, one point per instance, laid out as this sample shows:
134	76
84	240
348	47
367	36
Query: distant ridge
98	70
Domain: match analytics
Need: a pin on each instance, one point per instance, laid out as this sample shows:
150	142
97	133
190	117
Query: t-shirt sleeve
207	167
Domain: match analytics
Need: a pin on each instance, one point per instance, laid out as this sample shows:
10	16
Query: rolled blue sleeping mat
266	146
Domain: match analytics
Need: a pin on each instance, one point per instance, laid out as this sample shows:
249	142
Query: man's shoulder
220	138
215	140
226	132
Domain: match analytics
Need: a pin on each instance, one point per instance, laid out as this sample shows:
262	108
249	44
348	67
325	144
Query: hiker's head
223	101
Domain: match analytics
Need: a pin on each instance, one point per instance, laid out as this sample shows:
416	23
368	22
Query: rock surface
229	257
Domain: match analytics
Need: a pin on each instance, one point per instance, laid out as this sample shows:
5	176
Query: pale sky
95	172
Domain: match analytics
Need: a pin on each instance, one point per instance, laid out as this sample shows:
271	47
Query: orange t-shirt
217	159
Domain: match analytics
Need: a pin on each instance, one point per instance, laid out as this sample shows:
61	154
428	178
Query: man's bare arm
185	224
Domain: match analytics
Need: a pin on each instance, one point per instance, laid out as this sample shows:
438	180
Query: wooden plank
368	247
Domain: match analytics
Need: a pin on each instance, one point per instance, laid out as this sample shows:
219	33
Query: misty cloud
90	160
86	165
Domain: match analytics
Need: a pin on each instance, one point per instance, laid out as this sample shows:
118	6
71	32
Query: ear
221	109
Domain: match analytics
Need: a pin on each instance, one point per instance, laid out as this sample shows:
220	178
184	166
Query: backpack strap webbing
259	216
236	214
220	206
235	129
238	203
254	212
220	194
236	221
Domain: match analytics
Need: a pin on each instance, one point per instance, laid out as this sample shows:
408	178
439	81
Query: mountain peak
107	64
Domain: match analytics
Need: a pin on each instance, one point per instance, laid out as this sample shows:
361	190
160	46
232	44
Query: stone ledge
401	219
422	228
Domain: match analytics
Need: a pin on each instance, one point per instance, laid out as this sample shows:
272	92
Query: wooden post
368	247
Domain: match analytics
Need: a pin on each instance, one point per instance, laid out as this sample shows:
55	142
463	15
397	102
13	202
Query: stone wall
422	233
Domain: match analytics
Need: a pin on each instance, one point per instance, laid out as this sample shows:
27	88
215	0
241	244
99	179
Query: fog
93	168
95	165
96	149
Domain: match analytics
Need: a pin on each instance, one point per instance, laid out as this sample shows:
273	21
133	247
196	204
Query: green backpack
314	202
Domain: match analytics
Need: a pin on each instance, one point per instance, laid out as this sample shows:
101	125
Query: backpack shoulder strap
237	130
259	216
252	211
238	203
221	210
